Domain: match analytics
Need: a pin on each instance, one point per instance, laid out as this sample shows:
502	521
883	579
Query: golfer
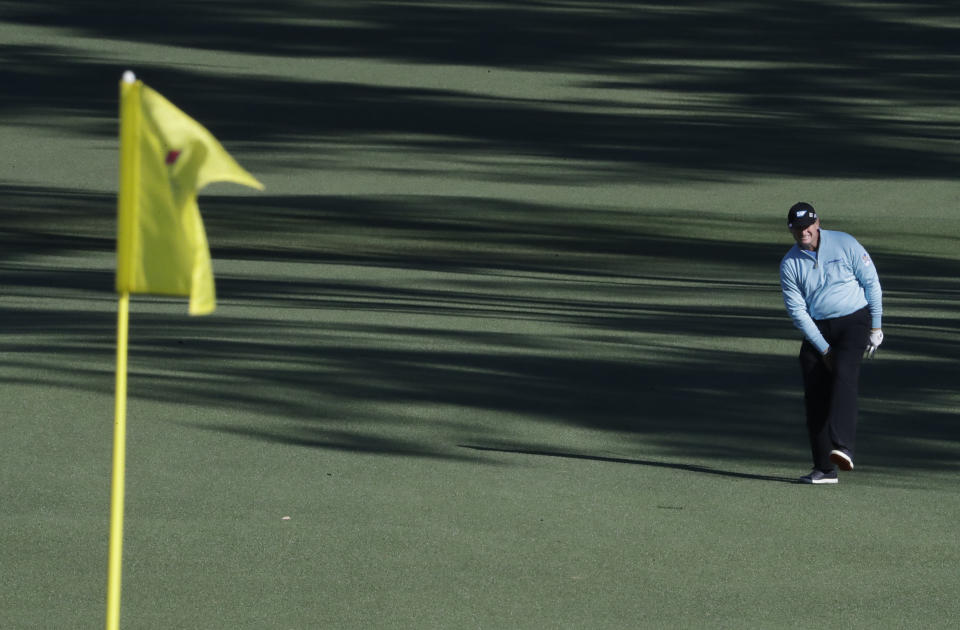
832	294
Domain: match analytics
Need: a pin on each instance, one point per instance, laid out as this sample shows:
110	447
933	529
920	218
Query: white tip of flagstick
129	77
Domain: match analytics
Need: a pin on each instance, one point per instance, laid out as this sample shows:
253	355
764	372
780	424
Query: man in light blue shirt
832	294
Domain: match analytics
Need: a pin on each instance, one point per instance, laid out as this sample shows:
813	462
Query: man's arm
797	309
866	274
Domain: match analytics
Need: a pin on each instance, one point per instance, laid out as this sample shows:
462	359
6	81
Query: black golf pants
830	395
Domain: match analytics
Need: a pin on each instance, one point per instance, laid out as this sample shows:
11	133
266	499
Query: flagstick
119	467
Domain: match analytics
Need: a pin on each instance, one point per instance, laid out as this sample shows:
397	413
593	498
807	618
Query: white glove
876	338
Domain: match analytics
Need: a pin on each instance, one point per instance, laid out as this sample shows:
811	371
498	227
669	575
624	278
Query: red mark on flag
172	157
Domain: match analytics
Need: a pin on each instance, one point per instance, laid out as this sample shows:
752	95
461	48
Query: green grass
501	345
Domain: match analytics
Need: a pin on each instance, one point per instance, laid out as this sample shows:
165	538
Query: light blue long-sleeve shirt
836	280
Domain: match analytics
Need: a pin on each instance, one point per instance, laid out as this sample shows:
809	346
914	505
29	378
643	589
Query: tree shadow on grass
542	35
476	309
666	91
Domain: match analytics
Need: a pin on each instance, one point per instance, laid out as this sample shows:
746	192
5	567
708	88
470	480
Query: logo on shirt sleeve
866	259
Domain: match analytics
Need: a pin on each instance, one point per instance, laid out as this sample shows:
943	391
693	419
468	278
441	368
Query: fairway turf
502	344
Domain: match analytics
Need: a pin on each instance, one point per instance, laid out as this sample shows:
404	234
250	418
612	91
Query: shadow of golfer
641	462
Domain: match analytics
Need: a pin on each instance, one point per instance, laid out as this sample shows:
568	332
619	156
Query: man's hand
876	338
827	357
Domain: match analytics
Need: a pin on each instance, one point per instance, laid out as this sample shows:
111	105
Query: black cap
801	215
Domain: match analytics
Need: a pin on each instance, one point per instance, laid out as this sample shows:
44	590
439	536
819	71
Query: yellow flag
165	158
